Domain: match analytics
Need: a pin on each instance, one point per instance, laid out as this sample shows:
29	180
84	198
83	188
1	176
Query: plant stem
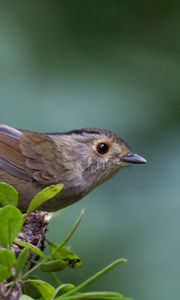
95	276
69	235
56	279
67	238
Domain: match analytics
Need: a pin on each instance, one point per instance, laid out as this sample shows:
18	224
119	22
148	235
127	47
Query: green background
109	64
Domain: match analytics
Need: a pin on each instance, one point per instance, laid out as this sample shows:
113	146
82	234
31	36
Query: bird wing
28	155
42	157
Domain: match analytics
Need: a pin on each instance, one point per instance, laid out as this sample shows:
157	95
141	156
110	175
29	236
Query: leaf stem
56	279
71	232
96	295
95	276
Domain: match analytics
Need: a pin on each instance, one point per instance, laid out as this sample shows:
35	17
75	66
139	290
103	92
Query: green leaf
7	261
44	195
46	290
35	249
25	297
11	221
54	265
66	254
29	289
8	194
21	260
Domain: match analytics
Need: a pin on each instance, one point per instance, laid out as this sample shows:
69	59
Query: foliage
19	269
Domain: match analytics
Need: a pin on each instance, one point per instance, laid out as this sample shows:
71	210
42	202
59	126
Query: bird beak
133	158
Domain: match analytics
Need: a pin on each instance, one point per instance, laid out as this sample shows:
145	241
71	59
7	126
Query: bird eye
102	148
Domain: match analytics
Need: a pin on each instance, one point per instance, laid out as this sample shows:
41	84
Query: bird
80	159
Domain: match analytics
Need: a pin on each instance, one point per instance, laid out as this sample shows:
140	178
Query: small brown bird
80	159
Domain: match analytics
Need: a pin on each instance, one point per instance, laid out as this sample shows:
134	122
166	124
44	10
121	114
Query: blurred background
110	64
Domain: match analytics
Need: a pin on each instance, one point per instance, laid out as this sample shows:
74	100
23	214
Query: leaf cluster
16	269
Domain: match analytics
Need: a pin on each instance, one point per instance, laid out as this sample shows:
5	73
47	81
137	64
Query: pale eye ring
102	148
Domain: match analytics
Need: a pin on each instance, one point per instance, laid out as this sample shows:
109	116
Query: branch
34	230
